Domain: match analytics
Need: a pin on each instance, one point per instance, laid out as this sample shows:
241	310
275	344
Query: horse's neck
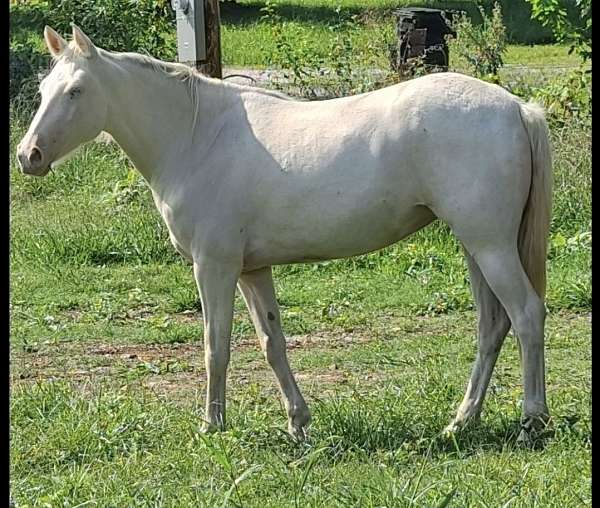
151	116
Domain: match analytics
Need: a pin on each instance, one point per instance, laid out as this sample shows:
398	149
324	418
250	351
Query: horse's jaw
64	158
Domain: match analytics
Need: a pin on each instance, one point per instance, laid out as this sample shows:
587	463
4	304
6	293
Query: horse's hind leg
259	294
501	266
493	327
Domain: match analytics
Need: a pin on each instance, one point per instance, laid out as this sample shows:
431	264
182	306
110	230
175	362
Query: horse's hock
421	33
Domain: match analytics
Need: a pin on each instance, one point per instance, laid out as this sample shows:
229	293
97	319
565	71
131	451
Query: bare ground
177	370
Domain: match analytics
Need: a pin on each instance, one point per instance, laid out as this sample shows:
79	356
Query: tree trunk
212	65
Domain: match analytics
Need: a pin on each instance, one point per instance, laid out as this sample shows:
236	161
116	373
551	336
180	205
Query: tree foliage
553	14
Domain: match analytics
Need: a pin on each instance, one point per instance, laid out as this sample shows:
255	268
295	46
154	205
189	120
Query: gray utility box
191	33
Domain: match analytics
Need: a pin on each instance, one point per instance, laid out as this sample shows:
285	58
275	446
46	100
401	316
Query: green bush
479	48
554	14
25	61
521	28
143	26
566	97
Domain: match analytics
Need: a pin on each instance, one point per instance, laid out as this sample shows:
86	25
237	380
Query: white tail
535	224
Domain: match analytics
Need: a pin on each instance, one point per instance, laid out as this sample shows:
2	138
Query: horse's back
446	105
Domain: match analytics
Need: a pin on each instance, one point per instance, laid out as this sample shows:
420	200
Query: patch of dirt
142	352
188	317
323	377
171	369
180	367
73	314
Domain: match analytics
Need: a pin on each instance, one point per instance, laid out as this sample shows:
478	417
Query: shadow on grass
517	17
420	433
520	28
402	444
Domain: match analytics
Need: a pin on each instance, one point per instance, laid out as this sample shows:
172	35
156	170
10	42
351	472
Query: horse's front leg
216	285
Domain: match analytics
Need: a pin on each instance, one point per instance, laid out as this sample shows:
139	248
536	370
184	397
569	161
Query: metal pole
199	35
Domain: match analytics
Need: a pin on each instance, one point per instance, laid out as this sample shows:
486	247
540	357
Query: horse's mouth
38	172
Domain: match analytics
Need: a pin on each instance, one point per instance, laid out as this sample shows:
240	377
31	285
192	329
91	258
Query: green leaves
481	46
553	13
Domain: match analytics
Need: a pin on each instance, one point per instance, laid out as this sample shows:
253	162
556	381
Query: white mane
190	75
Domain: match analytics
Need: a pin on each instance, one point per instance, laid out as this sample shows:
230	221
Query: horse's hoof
298	425
450	430
525	438
532	428
209	428
298	433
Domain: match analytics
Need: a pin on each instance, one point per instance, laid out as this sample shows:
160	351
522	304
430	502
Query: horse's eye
74	92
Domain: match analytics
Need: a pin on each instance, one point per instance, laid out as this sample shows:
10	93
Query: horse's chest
180	227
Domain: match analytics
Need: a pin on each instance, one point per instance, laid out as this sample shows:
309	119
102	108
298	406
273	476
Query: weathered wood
212	22
421	33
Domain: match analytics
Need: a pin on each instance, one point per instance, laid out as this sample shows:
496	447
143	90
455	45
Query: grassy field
107	376
108	422
107	379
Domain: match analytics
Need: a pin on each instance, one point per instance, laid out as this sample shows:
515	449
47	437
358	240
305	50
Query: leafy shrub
479	48
292	52
25	61
144	26
568	96
339	70
554	14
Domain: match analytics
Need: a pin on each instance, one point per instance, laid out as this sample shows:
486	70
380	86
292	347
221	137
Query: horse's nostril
35	157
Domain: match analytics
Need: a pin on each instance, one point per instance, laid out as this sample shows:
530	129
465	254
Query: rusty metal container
422	32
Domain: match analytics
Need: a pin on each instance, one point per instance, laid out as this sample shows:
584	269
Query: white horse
246	178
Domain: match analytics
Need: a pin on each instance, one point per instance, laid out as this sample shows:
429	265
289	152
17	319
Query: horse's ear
83	42
56	44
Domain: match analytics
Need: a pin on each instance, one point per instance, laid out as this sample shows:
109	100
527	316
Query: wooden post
212	26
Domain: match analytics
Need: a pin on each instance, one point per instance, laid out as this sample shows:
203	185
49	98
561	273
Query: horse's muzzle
32	160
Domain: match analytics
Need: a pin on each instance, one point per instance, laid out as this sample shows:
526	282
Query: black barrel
422	33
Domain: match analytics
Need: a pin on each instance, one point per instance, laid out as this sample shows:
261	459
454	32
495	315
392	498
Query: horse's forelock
70	53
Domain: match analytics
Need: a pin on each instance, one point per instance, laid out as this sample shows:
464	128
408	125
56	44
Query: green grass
119	426
107	378
540	55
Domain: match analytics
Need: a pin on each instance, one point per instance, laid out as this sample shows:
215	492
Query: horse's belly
326	239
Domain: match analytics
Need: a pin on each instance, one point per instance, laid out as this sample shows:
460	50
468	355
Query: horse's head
73	108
